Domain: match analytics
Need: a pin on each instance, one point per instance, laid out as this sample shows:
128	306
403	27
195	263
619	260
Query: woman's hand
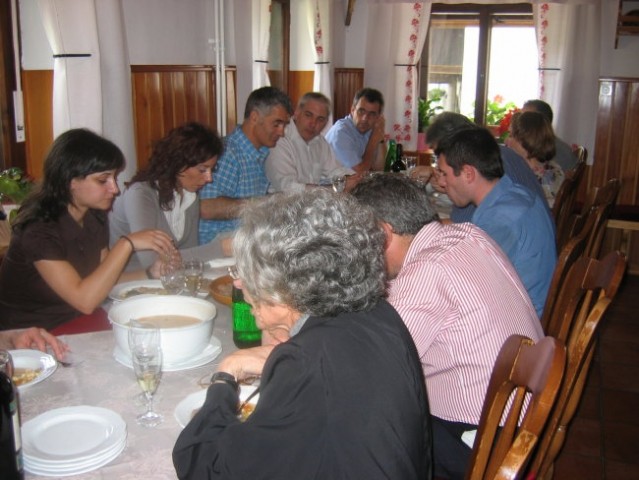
155	240
38	338
246	363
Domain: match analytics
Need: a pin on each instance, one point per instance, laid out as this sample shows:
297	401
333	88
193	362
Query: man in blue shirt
514	166
239	173
356	139
471	172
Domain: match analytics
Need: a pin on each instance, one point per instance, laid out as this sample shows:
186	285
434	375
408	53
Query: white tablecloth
101	381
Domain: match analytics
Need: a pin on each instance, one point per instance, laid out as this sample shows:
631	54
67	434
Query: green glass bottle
391	155
245	331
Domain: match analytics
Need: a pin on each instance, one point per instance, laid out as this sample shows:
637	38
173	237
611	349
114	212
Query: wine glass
339	183
172	275
410	162
146	356
193	276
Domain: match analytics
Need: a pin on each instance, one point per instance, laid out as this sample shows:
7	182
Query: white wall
624	60
178	35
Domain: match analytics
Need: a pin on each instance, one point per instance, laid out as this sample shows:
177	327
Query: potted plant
15	185
427	108
496	110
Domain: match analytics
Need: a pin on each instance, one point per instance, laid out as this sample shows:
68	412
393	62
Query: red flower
504	125
396	127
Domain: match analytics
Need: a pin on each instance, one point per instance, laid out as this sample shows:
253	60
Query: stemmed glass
193	276
339	183
172	275
146	356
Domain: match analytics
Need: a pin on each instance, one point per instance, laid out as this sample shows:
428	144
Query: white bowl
178	343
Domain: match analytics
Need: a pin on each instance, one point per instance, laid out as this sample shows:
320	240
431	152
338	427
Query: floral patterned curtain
568	39
261	20
396	35
318	12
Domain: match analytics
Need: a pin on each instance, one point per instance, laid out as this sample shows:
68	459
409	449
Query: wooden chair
565	202
522	367
604	196
574	249
580	152
590	287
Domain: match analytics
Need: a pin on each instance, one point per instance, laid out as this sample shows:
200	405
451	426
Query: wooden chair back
605	197
522	367
599	280
562	209
580	152
574	249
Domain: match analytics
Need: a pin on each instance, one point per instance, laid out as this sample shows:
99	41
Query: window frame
483	15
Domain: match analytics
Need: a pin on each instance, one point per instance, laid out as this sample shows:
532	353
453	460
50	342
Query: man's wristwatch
224	377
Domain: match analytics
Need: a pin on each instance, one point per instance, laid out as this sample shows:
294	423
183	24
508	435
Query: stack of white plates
72	440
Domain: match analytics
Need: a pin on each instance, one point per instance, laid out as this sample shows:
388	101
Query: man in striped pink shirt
460	298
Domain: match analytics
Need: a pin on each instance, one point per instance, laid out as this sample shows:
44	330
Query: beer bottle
245	332
391	155
11	464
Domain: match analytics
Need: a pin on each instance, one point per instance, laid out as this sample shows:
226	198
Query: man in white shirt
303	157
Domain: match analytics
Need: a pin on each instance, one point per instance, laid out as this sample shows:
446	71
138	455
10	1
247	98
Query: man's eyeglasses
362	112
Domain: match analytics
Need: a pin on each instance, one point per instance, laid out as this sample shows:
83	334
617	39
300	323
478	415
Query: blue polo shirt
519	222
239	174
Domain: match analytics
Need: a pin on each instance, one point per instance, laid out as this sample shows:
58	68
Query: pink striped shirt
460	298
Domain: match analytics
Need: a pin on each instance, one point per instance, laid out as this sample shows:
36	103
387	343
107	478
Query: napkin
221	262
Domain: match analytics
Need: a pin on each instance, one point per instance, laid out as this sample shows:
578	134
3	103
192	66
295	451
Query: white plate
211	351
117	293
34	360
184	410
72	434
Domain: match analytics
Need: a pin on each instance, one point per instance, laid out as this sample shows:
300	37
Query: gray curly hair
315	251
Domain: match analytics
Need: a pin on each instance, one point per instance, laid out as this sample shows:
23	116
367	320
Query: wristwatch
224	377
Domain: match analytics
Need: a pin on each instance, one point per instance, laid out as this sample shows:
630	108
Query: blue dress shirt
519	222
518	170
348	143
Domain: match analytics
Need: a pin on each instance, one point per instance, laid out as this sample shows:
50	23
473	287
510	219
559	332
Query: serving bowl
179	343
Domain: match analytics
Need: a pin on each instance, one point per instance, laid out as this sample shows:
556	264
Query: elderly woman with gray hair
342	394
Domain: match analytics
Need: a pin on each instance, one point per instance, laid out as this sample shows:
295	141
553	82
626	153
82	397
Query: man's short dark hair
371	95
264	99
475	147
445	124
541	107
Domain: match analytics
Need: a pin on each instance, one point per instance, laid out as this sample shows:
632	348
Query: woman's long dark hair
76	153
183	147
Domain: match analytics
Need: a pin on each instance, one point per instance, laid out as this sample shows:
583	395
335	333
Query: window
480	59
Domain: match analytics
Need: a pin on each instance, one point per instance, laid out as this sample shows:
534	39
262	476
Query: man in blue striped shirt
239	173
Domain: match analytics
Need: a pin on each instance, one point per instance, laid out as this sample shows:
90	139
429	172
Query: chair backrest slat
590	287
525	375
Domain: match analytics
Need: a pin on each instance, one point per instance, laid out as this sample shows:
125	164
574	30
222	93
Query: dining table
95	378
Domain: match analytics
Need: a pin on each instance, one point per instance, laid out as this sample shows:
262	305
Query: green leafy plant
497	109
429	107
15	185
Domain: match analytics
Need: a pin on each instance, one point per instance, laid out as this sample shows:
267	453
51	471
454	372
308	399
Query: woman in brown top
58	265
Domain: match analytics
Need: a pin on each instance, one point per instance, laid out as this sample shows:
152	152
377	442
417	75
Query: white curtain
71	28
318	14
568	38
92	74
261	22
396	35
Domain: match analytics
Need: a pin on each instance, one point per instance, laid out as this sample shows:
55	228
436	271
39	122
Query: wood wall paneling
167	96
37	91
299	83
347	82
617	156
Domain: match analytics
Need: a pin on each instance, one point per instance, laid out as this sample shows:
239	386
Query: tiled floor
603	440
